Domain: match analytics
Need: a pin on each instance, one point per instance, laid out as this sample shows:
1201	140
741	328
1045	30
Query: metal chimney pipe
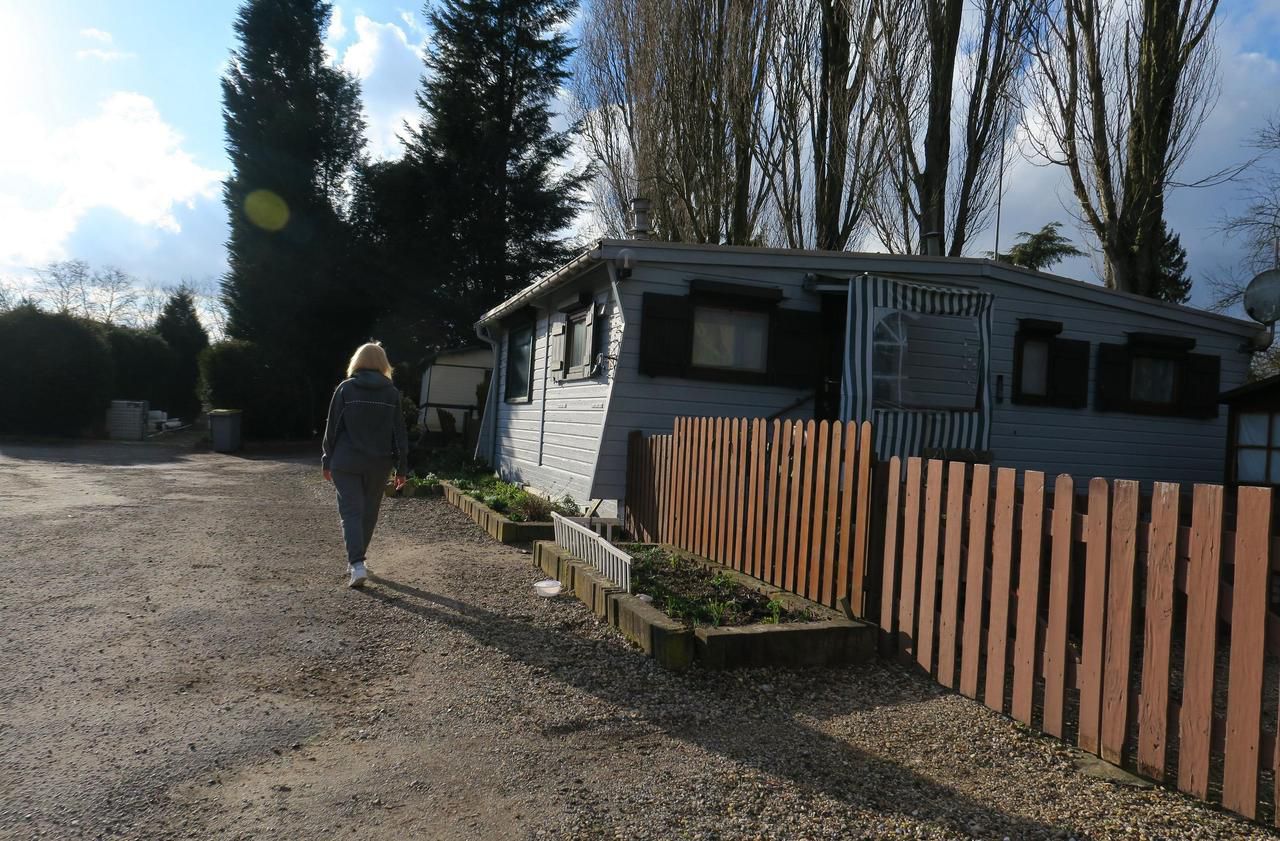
640	228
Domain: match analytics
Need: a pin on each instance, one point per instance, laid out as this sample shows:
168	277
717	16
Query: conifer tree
180	327
294	133
488	151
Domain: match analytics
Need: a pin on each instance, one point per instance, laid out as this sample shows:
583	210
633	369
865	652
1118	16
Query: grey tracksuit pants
359	497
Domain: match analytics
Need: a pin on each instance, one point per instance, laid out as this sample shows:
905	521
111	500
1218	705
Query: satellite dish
1262	297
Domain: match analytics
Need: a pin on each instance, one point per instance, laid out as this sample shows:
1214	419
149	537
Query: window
925	361
575	340
729	339
728	332
519	363
1154	380
1157	375
1049	370
1034	376
1257	456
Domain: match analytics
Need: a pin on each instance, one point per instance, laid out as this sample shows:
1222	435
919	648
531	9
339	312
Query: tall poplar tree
489	153
294	133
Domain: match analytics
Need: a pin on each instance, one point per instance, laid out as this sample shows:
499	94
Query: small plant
775	611
717	610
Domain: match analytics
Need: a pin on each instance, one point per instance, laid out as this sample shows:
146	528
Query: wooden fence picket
1119	642
1195	725
1095	612
844	557
975	570
1001	583
861	519
929	565
812	449
890	569
1153	714
833	512
1248	637
910	559
1025	635
1055	657
953	535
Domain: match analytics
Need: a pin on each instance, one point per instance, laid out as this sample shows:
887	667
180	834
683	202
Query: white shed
451	384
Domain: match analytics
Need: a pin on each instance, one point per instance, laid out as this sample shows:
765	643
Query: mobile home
965	358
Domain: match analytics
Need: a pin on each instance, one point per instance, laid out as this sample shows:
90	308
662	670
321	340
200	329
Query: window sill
518	401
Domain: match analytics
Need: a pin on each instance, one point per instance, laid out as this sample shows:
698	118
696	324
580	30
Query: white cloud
125	158
334	35
98	35
104	55
388	65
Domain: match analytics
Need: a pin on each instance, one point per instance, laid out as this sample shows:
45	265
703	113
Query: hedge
56	374
144	365
274	397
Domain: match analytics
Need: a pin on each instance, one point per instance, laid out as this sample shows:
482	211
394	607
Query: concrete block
833	642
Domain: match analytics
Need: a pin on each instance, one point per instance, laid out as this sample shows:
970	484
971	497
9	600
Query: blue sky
112	150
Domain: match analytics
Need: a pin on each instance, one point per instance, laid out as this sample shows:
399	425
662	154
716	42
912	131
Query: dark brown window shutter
666	335
1200	388
794	348
1069	373
1113	378
557	350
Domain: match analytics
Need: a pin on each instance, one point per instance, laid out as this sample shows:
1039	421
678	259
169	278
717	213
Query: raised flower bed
499	526
704	612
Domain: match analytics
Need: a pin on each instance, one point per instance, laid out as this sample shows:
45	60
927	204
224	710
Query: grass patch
686	590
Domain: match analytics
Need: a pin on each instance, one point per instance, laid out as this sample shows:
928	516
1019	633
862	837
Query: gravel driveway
181	660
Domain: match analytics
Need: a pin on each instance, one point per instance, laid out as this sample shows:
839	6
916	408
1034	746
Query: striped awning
909	431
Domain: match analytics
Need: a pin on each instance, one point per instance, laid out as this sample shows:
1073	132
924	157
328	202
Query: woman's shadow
764	736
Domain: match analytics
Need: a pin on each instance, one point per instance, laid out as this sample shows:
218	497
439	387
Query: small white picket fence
583	543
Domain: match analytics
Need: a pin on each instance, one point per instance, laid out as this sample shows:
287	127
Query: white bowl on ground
547	588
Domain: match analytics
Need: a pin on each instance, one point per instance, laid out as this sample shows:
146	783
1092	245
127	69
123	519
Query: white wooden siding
551	443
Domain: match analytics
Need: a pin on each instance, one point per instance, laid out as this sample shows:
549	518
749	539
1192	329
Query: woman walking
363	438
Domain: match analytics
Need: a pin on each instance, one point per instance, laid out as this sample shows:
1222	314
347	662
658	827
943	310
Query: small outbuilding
1253	433
453	389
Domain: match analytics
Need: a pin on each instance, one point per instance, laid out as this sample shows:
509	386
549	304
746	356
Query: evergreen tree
1172	282
294	133
180	327
1040	250
488	153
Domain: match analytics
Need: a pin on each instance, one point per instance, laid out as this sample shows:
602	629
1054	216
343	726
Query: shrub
56	374
144	364
237	374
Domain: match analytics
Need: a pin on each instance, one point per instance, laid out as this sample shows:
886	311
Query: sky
111	145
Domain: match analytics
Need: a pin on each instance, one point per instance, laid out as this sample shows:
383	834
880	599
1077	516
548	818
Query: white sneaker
358	576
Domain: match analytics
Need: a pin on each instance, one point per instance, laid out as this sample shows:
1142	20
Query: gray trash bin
224	426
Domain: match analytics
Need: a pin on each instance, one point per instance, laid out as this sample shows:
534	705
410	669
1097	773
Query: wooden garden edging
500	528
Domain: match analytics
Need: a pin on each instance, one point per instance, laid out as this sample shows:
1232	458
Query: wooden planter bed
828	639
500	528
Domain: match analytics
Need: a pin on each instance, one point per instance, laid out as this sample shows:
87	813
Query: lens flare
266	210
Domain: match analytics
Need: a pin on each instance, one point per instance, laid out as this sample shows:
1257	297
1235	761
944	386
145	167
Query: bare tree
944	155
11	295
822	146
1256	226
65	286
1122	90
112	296
670	97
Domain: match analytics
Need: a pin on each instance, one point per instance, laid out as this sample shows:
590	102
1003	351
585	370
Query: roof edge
588	258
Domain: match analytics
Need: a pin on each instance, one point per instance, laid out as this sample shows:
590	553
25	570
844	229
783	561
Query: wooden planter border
500	528
831	641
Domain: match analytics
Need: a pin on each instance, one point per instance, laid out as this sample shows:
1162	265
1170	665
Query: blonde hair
370	357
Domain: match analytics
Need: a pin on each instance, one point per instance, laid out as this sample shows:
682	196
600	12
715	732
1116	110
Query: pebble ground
181	660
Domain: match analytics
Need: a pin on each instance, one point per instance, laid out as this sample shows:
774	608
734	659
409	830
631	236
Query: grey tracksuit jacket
365	430
363	437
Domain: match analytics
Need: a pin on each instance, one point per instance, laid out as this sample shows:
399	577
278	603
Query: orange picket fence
1136	628
783	501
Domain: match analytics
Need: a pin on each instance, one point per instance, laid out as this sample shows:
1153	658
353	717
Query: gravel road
181	660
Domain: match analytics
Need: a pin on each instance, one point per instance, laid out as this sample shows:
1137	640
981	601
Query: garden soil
182	660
